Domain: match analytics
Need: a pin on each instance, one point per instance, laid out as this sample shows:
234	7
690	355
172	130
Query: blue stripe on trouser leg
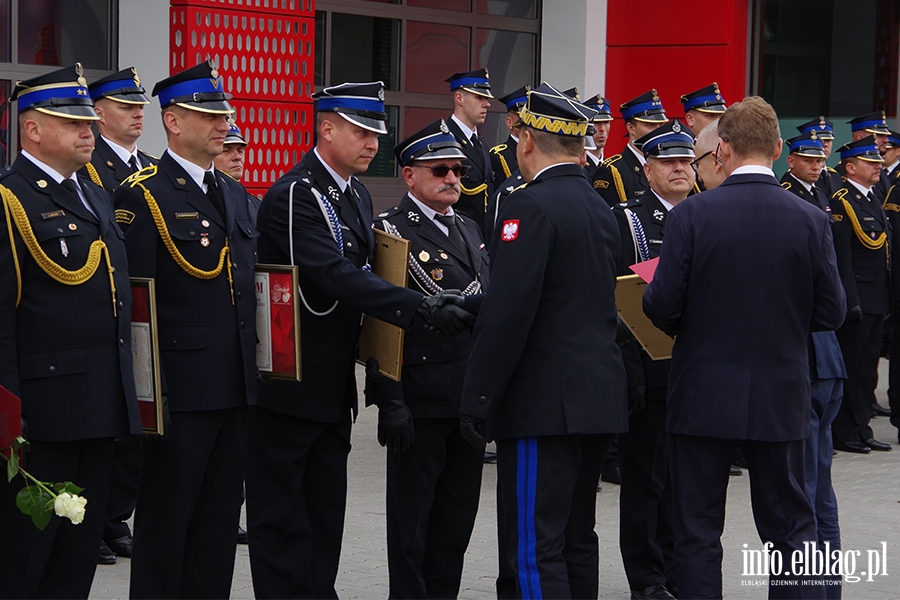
526	486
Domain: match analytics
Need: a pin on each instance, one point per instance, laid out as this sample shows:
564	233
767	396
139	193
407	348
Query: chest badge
205	223
204	240
424	256
72	226
443	255
658	215
412	217
41	183
437	274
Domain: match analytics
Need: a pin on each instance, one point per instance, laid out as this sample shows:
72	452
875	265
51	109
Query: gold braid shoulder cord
14	211
179	259
94	175
877	243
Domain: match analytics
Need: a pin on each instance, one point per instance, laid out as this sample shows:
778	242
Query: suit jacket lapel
332	192
471	152
194	194
431	232
121	170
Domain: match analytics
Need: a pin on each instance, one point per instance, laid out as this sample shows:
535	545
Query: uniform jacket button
121	342
174	342
424	359
238	295
243	325
398	314
483	399
52	369
192	234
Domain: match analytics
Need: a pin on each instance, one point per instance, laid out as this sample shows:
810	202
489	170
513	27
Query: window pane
462	5
415	119
5	32
433	53
509	57
365	49
4	122
61	32
508	8
385	164
319	71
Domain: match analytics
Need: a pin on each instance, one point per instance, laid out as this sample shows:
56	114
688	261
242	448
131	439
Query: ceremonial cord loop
93	174
877	243
14	211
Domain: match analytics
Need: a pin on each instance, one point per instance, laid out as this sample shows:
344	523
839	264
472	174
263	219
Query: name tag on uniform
868	218
183	216
53	214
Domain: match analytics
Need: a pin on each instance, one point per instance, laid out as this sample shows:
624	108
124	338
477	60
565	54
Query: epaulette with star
607	162
149	155
633	203
5	171
142	175
829	169
394	210
498	149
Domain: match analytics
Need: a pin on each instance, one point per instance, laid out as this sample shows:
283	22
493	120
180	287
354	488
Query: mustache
453	186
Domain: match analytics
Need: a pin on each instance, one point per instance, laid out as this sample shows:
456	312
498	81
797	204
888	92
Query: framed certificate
145	355
629	300
278	322
377	338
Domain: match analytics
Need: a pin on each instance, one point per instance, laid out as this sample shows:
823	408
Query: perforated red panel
264	52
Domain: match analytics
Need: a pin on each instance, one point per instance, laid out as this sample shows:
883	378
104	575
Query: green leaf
72	488
12	466
36	503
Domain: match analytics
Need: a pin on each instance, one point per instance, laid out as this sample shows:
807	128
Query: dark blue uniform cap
601	105
823	127
476	82
431	142
61	93
672	140
199	88
124	86
647	107
516	100
360	103
893	140
873	123
807	144
707	99
234	135
552	111
863	149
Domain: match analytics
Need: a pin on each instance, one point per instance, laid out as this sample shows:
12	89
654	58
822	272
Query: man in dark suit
189	228
503	156
545	377
433	474
300	431
739	365
65	334
645	503
471	93
621	177
861	233
119	100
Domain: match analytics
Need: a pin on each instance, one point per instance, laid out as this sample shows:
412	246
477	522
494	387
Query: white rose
70	506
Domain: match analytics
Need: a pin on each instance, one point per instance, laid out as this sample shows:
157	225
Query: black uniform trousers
126	473
181	553
861	345
781	510
432	500
645	500
894	373
58	562
300	476
548	489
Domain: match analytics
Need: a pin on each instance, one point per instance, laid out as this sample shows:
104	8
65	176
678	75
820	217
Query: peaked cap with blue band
360	103
864	149
647	107
124	87
552	111
893	140
61	93
429	143
234	134
517	99
476	82
199	88
873	123
601	105
807	144
823	127
707	99
672	140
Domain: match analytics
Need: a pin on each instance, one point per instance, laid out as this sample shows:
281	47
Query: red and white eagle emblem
510	230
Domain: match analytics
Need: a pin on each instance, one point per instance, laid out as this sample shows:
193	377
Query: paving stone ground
867	488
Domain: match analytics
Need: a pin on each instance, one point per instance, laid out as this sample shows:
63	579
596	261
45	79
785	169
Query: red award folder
10	419
646	269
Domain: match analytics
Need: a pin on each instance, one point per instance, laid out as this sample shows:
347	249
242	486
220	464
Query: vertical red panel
709	43
264	52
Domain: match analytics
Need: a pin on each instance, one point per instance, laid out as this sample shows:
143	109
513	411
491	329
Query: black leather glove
637	400
444	312
855	314
623	333
395	425
373	369
472	430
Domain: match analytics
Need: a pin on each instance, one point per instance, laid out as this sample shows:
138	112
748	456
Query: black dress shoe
876	445
654	591
735	471
121	546
242	536
611	476
880	411
857	447
106	556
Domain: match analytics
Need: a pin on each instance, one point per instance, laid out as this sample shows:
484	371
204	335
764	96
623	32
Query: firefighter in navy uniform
806	159
830	180
65	334
231	162
433	474
702	107
188	226
620	177
119	100
874	124
602	121
503	156
471	93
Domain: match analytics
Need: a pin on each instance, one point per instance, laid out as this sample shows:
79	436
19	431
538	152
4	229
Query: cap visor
216	107
715	109
478	92
602	118
441	153
824	136
128	98
589	143
674	153
81	112
869	158
878	130
657	118
365	122
810	153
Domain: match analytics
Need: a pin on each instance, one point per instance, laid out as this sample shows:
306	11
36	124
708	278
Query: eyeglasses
719	158
442	170
697	160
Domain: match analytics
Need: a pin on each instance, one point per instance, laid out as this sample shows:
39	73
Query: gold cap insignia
137	80
444	128
655	95
41	183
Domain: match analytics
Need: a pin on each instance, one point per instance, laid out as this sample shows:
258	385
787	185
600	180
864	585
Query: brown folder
629	296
